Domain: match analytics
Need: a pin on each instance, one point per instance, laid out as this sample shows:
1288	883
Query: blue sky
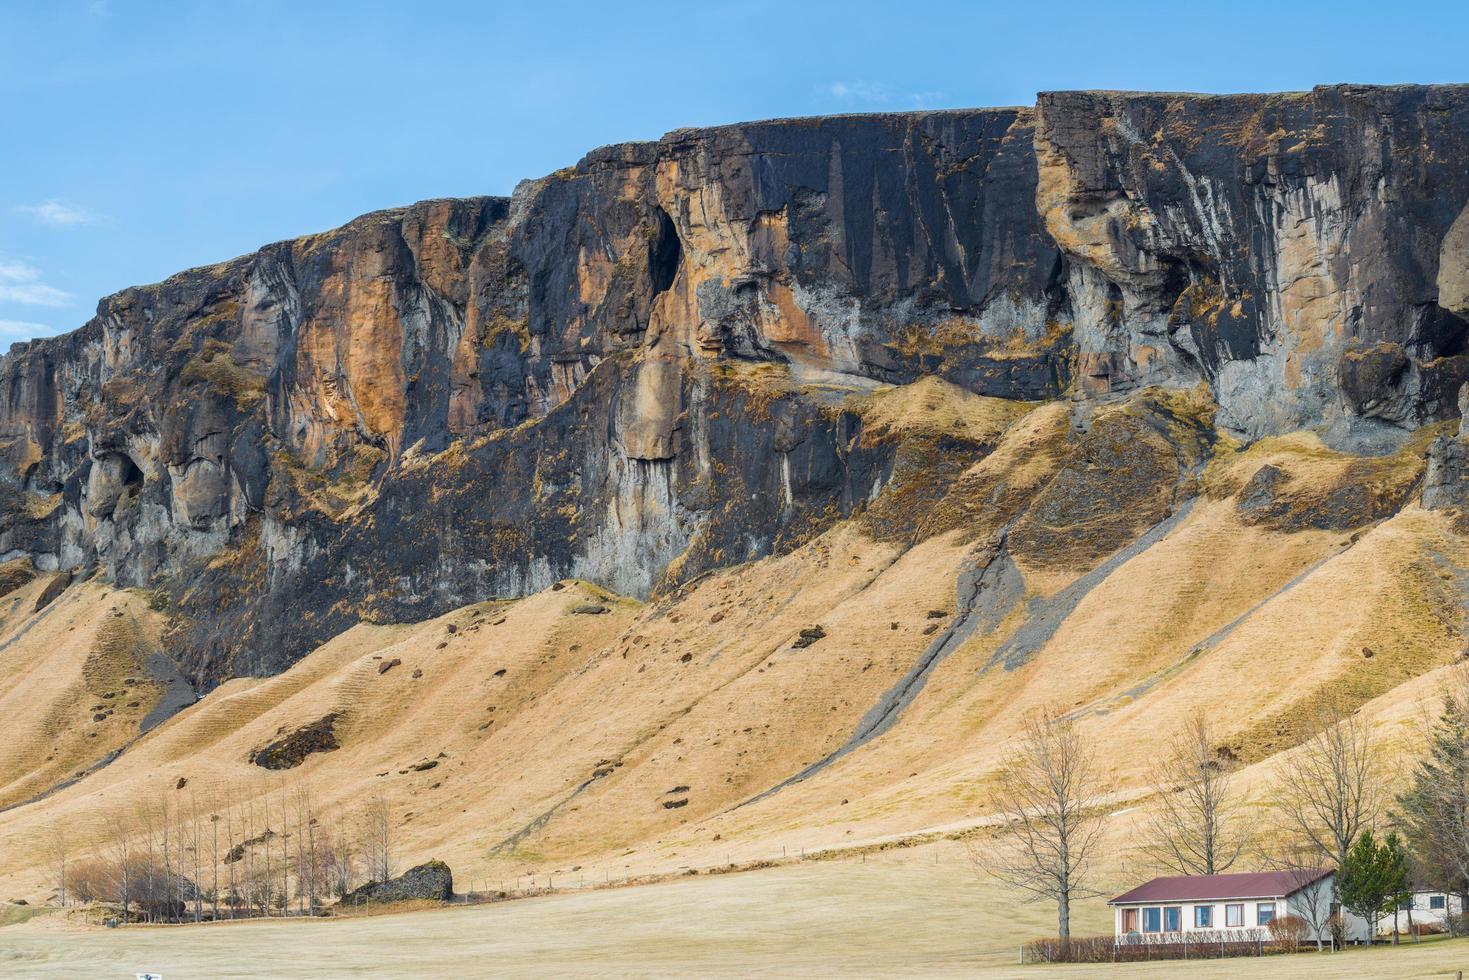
141	138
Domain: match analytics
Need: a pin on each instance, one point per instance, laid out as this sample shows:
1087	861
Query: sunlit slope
75	682
1128	566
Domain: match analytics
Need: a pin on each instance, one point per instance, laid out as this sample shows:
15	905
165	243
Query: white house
1231	906
1429	906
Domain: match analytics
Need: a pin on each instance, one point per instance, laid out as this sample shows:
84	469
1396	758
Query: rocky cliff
653	364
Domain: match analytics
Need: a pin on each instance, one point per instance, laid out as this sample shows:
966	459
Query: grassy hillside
1128	567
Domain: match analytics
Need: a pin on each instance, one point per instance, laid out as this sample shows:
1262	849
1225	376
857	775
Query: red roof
1205	888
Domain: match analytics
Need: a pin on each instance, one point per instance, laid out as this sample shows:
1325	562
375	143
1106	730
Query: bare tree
265	836
241	871
308	869
1329	789
377	839
285	896
1049	793
230	855
1312	896
196	857
119	848
58	854
1195	828
89	879
214	856
339	858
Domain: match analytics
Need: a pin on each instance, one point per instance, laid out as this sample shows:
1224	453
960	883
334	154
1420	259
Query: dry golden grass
915	912
934	405
62	667
745	710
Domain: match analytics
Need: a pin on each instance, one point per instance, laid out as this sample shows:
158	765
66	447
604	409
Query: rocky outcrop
428	882
291	749
636	369
1446	482
1290	249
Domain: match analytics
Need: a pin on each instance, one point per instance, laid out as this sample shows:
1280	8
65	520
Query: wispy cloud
878	94
13	330
21	283
59	213
859	91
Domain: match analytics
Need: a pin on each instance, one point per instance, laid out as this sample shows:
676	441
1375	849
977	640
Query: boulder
808	636
291	750
433	881
54	588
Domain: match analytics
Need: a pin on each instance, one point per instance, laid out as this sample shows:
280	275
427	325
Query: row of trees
179	859
1326	809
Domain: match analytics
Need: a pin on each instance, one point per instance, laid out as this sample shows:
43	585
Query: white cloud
859	92
13	271
878	94
924	100
13	330
34	294
21	283
58	213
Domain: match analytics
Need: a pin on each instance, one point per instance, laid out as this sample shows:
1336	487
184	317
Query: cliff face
644	367
1303	253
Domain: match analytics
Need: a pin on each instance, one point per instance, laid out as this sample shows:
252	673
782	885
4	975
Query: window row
1169	918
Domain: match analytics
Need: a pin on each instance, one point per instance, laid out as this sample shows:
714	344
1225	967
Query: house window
1264	912
1234	916
1437	902
1153	919
1172	919
1129	920
1203	916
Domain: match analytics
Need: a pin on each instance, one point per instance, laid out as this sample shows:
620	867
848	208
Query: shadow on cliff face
749	472
664	253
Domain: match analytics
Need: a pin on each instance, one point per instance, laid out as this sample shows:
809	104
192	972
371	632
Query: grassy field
917	912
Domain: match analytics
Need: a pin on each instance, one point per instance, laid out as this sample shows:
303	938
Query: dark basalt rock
53	589
1259	493
292	750
808	636
432	881
13	575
